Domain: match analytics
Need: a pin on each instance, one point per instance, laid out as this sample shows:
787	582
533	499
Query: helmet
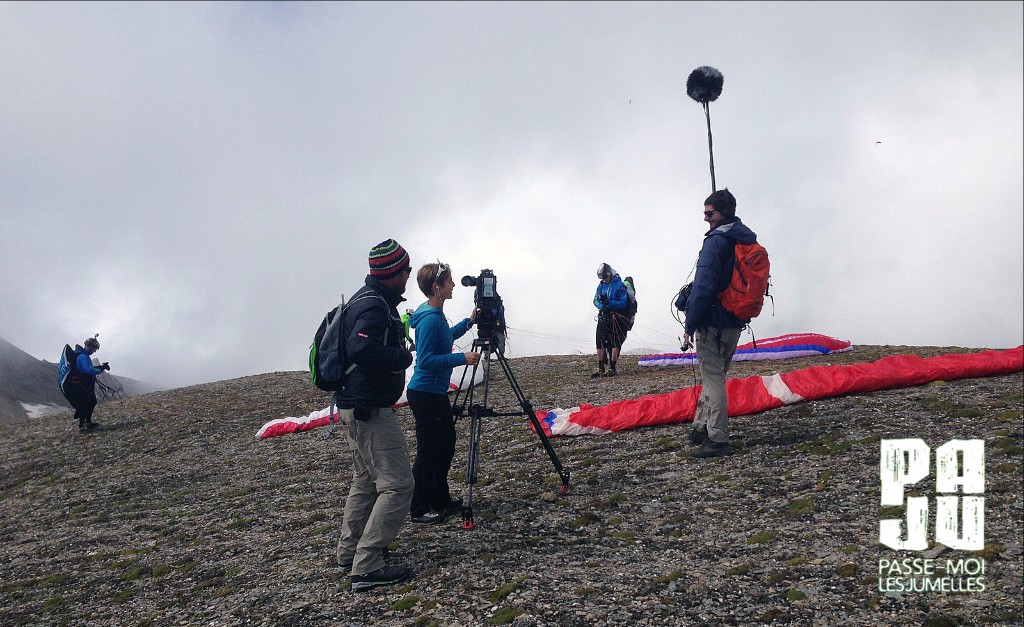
92	343
604	270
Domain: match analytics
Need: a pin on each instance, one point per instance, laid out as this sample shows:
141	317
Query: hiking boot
599	373
429	518
713	449
699	436
613	373
92	426
383	576
347	564
451	505
83	429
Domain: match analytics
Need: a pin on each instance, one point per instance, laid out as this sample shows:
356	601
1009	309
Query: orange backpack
744	297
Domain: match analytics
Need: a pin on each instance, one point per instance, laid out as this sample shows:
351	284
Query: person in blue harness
82	392
611	299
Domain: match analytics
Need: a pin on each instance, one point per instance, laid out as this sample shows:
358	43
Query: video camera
490	317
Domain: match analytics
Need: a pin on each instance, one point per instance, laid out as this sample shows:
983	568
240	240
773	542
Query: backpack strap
334	397
387	309
330	417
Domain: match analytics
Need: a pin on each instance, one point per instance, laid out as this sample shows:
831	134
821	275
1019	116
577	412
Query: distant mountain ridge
27	380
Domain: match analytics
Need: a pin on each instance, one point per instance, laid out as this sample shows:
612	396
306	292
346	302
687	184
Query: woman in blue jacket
428	394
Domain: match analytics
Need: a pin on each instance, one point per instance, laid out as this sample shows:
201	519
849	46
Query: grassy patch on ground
507	589
763	537
800	507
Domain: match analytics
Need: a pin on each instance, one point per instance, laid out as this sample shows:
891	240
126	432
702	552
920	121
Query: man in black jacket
716	330
382	480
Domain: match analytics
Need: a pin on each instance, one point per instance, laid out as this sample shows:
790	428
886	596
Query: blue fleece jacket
434	357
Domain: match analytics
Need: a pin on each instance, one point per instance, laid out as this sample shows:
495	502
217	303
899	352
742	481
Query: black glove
604	299
105	366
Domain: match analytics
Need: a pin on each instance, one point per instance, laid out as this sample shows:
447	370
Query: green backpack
630	311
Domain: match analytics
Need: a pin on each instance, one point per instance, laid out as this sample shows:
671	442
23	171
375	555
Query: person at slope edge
82	394
715	330
382	482
610	299
428	394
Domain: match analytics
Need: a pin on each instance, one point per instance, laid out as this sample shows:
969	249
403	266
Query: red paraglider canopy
760	393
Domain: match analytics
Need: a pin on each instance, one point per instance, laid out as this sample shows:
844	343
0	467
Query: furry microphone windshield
704	84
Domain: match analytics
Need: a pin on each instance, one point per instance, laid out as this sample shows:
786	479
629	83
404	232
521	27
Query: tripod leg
562	473
472	466
466	395
475	427
532	415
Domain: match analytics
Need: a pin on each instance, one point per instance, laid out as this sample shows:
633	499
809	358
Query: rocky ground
178	515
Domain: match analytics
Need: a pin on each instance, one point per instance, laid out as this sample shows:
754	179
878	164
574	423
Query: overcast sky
200	183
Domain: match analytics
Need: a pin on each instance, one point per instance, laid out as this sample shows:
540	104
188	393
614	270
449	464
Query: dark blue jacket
714	270
616	293
434	357
375	345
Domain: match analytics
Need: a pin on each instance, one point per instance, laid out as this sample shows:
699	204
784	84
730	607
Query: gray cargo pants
715	348
382	486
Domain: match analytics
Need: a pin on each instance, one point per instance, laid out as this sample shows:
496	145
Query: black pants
435	449
611	328
83	401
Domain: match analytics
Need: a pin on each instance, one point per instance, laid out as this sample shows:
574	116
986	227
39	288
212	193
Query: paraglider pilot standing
611	299
81	389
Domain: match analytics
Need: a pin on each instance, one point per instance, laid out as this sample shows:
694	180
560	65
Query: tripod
486	347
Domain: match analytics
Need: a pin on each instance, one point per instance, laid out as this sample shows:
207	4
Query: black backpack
329	366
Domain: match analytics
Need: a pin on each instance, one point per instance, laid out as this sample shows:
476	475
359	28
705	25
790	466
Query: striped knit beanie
388	259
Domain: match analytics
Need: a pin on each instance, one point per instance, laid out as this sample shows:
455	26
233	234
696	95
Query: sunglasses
708	214
441	269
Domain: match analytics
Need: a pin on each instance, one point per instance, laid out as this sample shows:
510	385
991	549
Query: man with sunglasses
715	330
382	482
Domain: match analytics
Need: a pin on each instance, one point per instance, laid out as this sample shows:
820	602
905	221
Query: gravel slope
177	515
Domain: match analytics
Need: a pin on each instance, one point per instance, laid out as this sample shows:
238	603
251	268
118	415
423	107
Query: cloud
200	183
